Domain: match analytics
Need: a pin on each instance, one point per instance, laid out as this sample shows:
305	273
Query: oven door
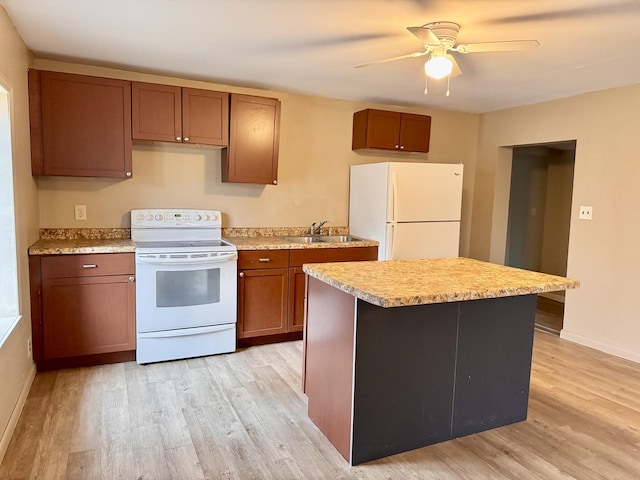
184	290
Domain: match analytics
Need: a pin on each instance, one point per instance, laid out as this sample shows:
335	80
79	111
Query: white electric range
185	284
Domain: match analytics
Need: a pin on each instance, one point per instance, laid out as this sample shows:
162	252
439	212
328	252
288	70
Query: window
9	310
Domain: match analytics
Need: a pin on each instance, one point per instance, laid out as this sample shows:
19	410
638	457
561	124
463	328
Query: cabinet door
383	129
252	156
262	302
157	112
376	129
297	280
205	117
415	132
85	126
88	315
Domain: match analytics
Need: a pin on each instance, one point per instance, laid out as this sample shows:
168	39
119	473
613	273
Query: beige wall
603	253
313	170
16	369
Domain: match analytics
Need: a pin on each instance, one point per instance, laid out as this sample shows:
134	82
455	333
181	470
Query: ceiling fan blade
455	69
609	8
385	60
425	35
506	46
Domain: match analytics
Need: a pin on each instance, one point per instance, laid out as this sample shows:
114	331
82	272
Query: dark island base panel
429	373
418	375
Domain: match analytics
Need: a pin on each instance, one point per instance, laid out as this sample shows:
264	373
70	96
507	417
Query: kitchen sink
303	239
339	238
322	238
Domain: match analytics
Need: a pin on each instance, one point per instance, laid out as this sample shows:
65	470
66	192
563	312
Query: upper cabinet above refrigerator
395	131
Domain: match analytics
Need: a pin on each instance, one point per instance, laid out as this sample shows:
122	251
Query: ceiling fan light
438	67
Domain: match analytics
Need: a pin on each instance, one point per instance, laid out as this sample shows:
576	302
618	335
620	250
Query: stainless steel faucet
314	229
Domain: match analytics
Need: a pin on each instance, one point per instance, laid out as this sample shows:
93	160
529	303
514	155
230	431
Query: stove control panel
175	218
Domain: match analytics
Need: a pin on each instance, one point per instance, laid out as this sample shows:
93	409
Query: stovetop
178	230
186	245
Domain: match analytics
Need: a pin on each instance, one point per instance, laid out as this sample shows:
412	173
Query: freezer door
406	241
425	192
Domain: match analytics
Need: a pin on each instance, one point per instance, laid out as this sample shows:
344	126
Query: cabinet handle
264	260
132	279
241	274
397	146
401	147
178	139
89	265
275	182
186	139
128	174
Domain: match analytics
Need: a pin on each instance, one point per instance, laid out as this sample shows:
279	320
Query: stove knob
140	217
208	217
198	217
158	217
150	217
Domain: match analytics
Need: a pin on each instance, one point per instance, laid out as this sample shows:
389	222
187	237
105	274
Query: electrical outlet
80	212
586	212
29	349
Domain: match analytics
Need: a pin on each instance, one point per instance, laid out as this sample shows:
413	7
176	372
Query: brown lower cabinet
83	309
271	290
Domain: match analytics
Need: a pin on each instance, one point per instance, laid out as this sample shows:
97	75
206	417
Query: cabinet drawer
322	255
263	259
61	266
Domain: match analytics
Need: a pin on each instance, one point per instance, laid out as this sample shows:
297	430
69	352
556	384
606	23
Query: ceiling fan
439	39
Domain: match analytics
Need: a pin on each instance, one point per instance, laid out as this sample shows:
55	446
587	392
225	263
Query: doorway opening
539	219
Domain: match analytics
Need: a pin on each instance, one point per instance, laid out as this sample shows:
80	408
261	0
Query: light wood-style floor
243	416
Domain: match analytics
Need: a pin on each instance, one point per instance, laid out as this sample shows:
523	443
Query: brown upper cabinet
252	156
165	113
380	129
80	125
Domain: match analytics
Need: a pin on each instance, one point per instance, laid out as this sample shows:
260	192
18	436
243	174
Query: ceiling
310	46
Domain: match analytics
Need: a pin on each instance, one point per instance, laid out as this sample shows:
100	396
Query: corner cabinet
254	136
165	113
80	125
83	309
397	131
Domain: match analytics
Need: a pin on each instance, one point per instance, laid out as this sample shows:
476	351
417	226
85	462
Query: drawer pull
241	274
264	260
132	279
89	265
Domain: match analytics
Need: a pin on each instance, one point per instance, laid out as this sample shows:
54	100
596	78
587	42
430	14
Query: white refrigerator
412	209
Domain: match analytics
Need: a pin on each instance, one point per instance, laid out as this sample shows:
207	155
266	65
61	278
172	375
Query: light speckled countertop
70	246
398	283
60	241
69	241
281	243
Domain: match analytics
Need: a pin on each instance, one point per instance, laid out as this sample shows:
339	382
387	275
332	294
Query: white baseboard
601	346
552	296
17	411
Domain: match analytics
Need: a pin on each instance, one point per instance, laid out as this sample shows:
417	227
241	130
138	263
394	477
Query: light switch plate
586	212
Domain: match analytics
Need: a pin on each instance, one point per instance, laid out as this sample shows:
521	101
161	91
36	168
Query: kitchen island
407	353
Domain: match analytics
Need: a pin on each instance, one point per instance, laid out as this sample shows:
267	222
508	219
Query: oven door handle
154	260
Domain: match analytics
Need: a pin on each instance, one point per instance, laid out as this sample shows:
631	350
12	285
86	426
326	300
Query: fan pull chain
448	78
426	83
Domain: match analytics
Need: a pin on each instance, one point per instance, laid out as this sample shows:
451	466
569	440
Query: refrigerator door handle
390	243
393	198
